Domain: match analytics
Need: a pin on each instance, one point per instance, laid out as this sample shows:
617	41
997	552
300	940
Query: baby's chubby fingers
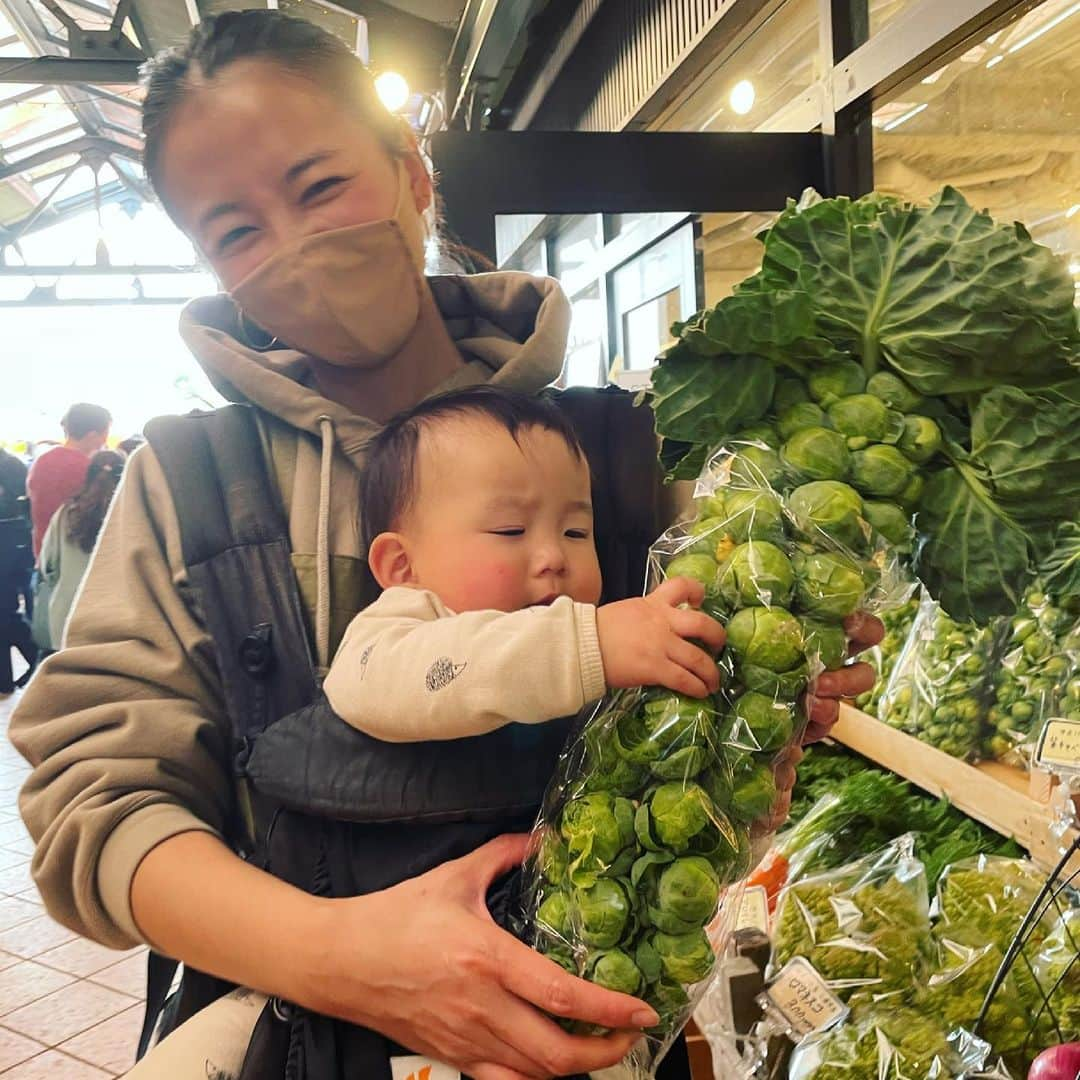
677	591
697	626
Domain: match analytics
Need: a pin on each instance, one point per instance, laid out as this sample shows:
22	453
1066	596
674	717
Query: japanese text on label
1059	746
803	999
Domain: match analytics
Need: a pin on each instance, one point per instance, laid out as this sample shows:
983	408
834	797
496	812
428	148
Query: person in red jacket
59	473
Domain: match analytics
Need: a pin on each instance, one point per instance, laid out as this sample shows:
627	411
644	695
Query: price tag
1059	746
753	910
800	995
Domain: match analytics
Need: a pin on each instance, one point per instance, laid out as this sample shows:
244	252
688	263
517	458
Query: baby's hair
388	488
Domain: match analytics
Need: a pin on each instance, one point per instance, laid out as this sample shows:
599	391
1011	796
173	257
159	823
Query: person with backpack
179	744
67	544
16	564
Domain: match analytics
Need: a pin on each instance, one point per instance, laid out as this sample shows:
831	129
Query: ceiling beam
396	36
84	145
96	271
63	71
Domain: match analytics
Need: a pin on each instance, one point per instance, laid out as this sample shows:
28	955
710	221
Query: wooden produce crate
1024	806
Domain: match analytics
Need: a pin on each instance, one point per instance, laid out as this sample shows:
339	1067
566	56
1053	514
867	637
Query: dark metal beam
62	71
484	174
86	144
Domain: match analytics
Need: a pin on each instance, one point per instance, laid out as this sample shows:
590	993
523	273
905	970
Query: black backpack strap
620	442
235	543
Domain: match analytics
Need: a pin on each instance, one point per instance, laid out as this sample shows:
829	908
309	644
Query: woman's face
262	157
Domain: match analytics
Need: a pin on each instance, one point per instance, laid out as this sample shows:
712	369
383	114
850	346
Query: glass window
649	293
730	251
585	351
1000	123
882	12
754	84
577	246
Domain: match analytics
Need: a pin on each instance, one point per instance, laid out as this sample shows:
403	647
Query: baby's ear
389	560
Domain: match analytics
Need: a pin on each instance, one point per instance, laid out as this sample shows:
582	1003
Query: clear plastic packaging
1057	969
660	803
898	620
889	1042
1038	676
940	688
865	927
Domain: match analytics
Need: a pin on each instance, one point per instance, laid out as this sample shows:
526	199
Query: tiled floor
69	1009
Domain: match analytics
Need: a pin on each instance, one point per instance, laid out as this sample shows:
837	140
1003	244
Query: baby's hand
643	642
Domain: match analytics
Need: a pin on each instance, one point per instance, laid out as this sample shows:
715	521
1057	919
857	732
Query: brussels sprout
828	584
606	767
756	572
660	725
761	722
677	813
697	567
757	466
602	913
880	470
833	381
599	832
891	521
893	391
562	956
754	792
554	914
860	414
708	532
681	764
816	453
614	970
779	685
753	515
760	432
717	782
826	641
689	889
686	958
670	1003
768	637
805	414
921	439
552	857
789	392
909	497
830	506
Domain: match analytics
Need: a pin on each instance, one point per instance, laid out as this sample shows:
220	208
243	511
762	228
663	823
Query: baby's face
499	524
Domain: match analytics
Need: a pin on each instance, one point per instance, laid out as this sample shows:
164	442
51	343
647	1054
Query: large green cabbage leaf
973	314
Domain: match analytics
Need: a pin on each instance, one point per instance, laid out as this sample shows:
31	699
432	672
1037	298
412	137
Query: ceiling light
1048	25
742	97
905	117
995	60
1073	210
393	90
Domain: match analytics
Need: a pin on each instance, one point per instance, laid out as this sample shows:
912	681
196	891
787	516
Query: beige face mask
349	296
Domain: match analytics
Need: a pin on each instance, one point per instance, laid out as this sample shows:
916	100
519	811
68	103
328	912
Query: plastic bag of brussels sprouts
660	802
939	690
898	621
1037	677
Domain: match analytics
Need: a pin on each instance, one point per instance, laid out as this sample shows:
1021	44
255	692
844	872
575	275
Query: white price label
1059	746
753	910
800	995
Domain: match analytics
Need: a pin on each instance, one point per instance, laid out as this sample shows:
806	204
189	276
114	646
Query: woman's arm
421	962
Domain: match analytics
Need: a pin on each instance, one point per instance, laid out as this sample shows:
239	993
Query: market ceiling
70	139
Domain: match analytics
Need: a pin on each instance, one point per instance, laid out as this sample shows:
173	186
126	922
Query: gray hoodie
126	726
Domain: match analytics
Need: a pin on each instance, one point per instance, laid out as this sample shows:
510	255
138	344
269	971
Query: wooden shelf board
998	796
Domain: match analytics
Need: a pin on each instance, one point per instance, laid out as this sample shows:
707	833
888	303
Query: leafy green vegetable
817	453
756	572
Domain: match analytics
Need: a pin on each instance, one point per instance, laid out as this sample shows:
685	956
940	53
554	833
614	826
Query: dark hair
388	487
81	419
294	44
130	445
86	510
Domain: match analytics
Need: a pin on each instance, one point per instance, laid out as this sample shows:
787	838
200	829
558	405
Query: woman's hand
823	707
424	963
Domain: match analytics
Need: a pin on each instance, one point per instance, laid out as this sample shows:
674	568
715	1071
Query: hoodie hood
510	328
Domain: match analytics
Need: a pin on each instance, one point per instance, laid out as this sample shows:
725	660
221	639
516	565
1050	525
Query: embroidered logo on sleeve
442	673
364	657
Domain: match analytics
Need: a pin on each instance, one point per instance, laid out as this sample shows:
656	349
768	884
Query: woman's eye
233	237
320	187
578	534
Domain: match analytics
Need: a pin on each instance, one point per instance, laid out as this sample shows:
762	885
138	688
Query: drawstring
322	551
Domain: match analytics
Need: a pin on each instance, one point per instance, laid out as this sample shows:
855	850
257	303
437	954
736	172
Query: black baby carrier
326	807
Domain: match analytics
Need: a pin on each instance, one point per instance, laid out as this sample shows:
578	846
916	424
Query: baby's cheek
497	586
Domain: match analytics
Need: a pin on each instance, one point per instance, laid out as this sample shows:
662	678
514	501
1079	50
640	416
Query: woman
70	538
267	144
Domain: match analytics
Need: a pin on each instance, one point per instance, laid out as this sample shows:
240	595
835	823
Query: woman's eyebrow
306	163
218	211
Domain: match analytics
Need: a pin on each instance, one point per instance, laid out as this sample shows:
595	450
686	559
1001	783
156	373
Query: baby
480	531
